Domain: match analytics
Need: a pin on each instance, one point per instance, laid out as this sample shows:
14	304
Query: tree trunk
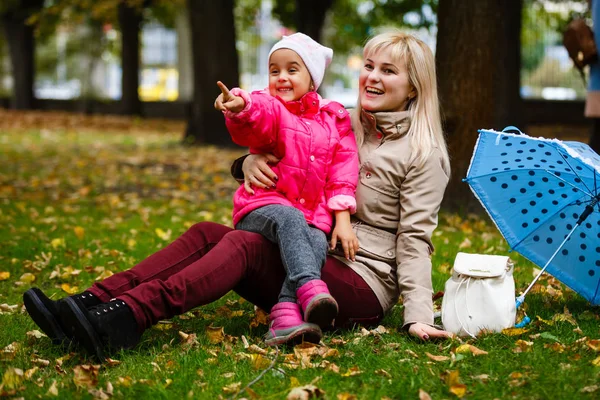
130	20
310	16
478	59
21	46
214	57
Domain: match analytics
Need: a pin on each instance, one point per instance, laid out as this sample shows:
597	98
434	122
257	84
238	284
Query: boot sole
305	334
74	319
322	311
43	318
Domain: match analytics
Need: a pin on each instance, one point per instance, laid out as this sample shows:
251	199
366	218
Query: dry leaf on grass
232	388
383	372
523	346
215	334
52	390
306	392
188	340
469	348
86	376
8	353
458	390
79	232
437	358
514	331
593	344
260	362
589	389
260	318
12	378
352	371
423	395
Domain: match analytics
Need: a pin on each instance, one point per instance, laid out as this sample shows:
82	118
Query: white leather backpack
480	295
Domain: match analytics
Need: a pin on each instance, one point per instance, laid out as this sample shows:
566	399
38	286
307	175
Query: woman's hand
426	332
227	101
257	171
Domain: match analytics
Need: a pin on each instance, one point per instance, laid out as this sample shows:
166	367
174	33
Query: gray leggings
303	248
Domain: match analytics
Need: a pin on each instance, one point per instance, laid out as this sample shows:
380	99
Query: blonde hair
425	130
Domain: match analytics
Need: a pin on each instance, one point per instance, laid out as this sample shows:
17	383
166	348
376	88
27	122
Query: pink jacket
318	171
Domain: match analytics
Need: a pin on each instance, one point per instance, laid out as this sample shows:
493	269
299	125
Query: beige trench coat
397	211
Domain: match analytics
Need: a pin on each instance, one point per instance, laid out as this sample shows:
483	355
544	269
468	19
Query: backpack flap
481	265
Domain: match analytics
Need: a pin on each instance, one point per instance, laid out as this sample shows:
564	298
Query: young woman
403	174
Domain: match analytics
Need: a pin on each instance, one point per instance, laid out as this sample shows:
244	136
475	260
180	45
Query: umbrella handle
526	320
512	128
519	301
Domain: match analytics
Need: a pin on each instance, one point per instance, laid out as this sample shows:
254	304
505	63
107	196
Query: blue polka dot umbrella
543	196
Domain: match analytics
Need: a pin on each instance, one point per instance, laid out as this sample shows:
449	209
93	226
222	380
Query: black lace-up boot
103	329
44	312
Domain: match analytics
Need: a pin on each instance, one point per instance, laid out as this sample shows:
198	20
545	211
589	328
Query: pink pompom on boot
287	326
317	303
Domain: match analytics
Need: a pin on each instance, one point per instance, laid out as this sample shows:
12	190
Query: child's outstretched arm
250	118
227	101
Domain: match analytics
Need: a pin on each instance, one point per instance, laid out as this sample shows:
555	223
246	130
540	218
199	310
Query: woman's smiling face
383	83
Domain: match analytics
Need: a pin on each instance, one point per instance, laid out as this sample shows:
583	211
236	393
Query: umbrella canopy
543	196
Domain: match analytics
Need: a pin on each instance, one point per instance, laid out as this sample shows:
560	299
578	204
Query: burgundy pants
210	260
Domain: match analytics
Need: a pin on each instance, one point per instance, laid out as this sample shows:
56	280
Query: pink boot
287	326
317	303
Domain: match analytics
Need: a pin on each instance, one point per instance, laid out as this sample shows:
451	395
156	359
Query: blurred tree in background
18	31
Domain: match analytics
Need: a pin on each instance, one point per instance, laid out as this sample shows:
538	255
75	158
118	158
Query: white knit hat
315	56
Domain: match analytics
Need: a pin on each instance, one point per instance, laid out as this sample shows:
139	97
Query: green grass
119	188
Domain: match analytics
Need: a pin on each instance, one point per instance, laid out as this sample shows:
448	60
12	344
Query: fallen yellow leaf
468	348
58	242
259	362
4	275
458	390
69	289
162	234
12	378
452	378
27	277
79	232
596	362
514	331
352	371
593	344
30	372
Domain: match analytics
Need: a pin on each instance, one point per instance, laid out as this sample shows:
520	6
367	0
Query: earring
311	87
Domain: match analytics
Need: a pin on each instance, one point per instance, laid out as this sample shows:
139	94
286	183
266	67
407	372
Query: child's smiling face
288	76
